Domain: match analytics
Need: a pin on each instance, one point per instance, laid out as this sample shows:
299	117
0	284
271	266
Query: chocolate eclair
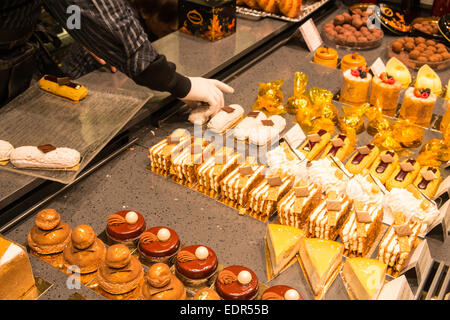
49	235
362	159
85	252
384	165
315	143
161	284
339	147
404	175
428	181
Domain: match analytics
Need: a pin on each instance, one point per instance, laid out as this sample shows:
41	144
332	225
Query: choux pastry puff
49	235
161	284
85	251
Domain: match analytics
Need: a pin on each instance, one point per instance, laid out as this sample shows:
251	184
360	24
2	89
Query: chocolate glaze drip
383	165
55	79
359	157
424	183
311	144
402	174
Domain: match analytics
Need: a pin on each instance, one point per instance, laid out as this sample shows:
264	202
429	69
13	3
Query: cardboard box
208	19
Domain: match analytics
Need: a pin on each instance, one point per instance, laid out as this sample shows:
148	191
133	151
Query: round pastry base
130	243
149	261
195	284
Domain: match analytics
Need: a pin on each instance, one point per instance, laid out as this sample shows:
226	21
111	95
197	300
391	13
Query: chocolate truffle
430	43
347	17
339	19
419	40
237	283
409	46
397	47
414	54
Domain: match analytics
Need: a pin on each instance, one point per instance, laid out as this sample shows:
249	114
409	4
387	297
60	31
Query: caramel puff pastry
270	6
404	175
315	143
290	8
384	165
5	150
44	157
362	159
428	181
63	87
340	147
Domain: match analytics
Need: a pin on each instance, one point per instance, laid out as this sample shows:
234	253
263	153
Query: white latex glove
209	91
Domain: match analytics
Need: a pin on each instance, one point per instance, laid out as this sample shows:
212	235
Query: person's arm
111	30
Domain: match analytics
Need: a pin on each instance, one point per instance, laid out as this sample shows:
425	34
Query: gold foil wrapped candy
438	148
407	133
320	101
353	118
379	125
428	159
298	101
270	98
323	123
385	141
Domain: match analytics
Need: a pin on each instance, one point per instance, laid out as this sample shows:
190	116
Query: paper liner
158	171
207	192
269	271
328	284
38	289
244	210
192	286
183	182
374	245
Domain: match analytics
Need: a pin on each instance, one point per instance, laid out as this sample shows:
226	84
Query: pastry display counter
126	183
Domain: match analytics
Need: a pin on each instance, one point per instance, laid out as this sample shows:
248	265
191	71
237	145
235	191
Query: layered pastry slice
363	278
296	206
361	228
340	147
320	259
213	170
428	181
283	243
404	175
264	197
186	163
398	242
384	165
315	144
328	218
237	185
160	154
362	159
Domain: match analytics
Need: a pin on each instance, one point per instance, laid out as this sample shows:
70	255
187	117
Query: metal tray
37	117
308	7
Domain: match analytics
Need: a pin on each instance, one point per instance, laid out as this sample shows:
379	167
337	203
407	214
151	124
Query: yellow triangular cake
283	243
320	258
363	278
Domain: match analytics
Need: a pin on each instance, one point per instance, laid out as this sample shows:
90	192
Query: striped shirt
110	29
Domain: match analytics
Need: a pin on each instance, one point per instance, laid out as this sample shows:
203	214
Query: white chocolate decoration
291	294
244	277
163	234
202	253
131	217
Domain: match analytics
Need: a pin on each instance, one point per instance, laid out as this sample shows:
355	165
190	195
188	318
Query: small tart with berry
125	227
418	105
355	87
385	92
